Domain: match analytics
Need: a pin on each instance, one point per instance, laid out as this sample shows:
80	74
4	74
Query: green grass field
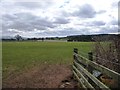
18	55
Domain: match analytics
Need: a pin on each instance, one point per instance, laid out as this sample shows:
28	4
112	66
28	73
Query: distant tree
42	39
18	37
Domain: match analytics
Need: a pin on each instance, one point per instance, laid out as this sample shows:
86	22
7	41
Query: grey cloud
30	5
25	22
85	11
61	21
43	22
114	22
8	33
74	31
35	5
106	30
65	32
101	12
65	14
98	23
93	23
115	4
8	17
66	2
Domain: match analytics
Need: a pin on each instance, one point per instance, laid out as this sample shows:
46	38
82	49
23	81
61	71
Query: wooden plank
85	80
80	60
105	70
94	79
79	80
101	68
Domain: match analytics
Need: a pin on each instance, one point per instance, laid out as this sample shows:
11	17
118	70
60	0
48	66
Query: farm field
18	57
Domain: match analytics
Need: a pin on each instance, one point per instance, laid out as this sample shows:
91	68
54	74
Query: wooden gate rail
83	67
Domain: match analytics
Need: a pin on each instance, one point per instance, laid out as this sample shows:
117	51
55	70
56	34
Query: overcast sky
43	18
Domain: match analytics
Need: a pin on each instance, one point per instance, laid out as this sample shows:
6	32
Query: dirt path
43	76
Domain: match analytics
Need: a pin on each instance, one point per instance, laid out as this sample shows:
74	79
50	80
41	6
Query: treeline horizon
102	37
70	38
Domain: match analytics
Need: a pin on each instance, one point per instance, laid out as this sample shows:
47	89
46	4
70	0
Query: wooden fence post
76	52
89	68
75	58
90	56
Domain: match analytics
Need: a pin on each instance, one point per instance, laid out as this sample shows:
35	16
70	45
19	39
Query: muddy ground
42	76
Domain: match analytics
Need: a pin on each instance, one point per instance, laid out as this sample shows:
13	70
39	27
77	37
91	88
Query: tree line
87	38
20	38
74	38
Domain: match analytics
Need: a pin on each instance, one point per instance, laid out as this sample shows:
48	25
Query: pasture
17	56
